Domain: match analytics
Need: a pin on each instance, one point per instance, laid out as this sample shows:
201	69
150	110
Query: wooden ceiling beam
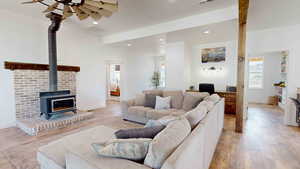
243	15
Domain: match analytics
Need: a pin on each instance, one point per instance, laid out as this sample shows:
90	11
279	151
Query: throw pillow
166	142
150	100
130	149
176	98
162	103
140	100
147	132
162	121
200	95
190	102
196	115
213	98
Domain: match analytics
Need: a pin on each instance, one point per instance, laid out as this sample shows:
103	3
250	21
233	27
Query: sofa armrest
126	104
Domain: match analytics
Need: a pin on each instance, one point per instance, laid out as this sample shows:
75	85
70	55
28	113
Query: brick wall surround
29	83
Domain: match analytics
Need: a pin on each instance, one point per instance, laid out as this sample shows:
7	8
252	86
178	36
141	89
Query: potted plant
155	80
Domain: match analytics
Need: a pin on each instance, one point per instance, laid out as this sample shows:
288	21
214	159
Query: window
256	73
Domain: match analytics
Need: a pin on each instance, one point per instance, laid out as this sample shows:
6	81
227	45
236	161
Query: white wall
272	66
24	39
175	65
138	68
227	76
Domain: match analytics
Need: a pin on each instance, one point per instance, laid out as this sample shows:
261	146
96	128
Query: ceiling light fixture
206	32
204	1
95	22
129	44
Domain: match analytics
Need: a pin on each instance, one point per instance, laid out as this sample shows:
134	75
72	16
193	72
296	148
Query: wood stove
54	101
58	102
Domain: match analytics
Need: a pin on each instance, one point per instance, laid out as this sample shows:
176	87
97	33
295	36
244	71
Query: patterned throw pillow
162	103
162	121
130	149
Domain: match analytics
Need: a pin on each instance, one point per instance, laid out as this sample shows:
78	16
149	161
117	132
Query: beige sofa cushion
190	102
157	114
176	98
197	114
155	92
140	99
166	142
139	111
54	153
200	95
88	159
215	98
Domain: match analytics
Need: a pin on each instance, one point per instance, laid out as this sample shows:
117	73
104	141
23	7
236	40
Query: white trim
8	125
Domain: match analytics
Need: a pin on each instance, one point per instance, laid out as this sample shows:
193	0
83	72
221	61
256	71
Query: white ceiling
135	14
219	32
132	14
264	14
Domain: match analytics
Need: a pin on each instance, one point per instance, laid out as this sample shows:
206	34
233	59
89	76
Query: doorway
113	82
267	79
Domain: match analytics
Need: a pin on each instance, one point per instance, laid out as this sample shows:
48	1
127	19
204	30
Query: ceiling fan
82	8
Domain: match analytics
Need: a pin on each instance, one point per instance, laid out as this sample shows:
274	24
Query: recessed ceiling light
206	32
129	44
204	1
95	22
161	39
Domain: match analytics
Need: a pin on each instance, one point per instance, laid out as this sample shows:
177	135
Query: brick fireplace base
36	125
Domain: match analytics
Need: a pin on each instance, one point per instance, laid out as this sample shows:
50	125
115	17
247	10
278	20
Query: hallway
266	142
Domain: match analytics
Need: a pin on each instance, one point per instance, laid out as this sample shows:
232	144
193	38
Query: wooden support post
243	13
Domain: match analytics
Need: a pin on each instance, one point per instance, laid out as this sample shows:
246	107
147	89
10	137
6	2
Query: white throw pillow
197	114
166	142
162	103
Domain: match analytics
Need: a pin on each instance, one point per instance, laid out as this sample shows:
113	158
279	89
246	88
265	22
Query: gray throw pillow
147	132
150	100
190	102
130	149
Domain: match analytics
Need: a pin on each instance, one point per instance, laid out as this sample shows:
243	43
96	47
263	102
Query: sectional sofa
194	152
134	109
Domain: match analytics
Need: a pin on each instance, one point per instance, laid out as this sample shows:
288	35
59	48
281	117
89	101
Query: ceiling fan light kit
82	8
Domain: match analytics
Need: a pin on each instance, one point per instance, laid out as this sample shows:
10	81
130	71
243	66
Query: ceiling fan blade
67	11
31	2
95	15
80	14
102	12
106	6
51	7
110	1
110	7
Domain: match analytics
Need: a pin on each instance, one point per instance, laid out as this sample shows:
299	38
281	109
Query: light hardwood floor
265	144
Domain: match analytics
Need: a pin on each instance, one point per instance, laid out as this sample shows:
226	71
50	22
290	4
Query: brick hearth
29	83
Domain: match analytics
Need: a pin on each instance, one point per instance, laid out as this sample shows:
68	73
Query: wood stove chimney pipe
56	20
